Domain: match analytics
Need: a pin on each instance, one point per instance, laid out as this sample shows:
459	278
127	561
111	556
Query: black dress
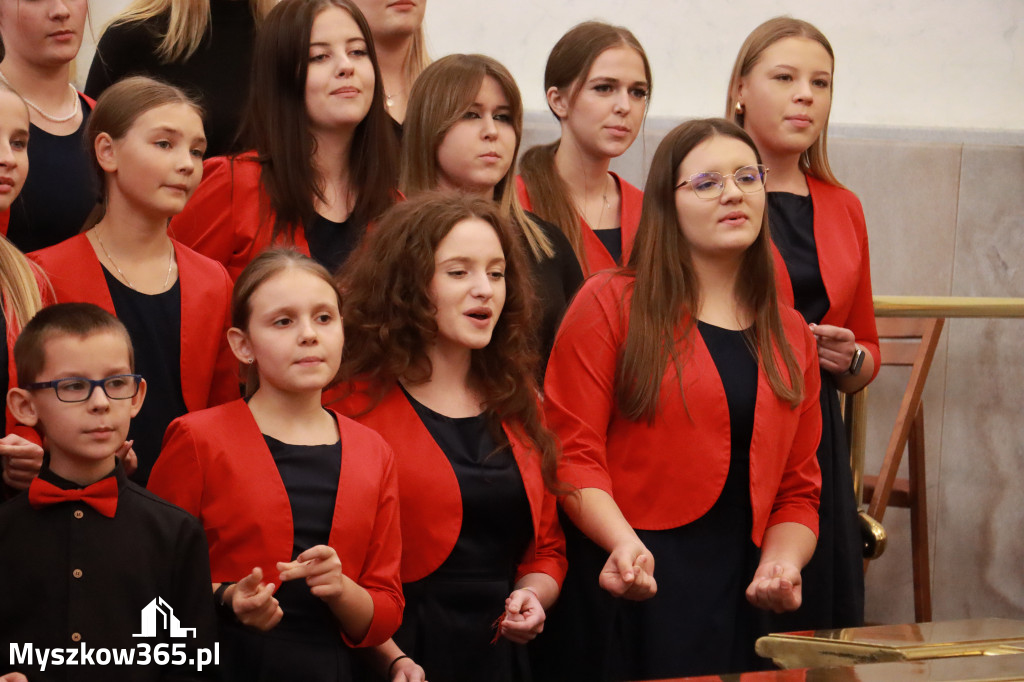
555	281
833	581
447	624
218	71
306	644
699	622
59	193
154	325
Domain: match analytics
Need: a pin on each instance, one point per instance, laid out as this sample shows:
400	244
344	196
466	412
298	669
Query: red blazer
669	473
215	464
5	220
842	242
209	372
432	501
229	218
598	257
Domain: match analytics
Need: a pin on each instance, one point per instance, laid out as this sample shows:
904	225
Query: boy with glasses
95	567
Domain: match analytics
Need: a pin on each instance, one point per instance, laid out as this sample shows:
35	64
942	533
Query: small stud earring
739	108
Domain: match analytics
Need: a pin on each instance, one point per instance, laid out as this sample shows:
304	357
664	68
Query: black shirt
310	475
218	71
59	192
792	221
331	243
154	325
612	241
73	577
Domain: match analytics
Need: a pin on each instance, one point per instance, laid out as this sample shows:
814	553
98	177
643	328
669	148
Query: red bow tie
101	496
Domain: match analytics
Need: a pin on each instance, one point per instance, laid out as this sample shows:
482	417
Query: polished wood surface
882	643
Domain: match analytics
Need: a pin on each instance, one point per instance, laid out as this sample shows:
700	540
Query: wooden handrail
948	306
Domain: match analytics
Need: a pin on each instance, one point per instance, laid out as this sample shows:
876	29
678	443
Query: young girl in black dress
148	143
289	493
462	132
781	93
439	320
685	399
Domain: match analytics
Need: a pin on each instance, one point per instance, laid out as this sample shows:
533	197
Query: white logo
159	614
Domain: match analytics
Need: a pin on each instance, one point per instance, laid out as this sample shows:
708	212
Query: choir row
689	410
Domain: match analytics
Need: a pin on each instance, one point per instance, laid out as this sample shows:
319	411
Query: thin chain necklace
604	205
49	117
170	264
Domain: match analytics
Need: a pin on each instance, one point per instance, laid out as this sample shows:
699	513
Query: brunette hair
260	269
277	124
187	22
115	113
19	277
390	320
567	68
62	319
665	290
814	159
442	94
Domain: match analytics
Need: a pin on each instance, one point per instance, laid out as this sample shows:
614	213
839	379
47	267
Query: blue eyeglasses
79	389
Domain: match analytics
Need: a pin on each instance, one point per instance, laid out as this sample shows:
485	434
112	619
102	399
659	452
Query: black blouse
59	193
331	243
310	475
154	325
792	221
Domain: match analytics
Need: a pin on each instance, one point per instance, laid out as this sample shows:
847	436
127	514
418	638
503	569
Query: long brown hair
116	111
260	269
666	290
567	68
440	96
277	125
390	320
814	160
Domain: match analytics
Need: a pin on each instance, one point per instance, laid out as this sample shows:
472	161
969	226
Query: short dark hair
63	319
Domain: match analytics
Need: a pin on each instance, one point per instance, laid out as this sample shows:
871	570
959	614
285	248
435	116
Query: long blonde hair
440	96
814	160
19	278
187	23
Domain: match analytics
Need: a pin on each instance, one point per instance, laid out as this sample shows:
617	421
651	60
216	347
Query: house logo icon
159	616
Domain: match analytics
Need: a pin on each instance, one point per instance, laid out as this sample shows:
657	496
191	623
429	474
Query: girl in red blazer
148	142
685	399
289	493
22	289
439	320
325	155
597	82
781	93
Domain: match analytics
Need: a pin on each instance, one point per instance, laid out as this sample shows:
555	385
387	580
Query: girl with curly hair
438	314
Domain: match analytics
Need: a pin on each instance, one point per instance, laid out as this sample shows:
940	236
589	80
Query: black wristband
391	667
218	600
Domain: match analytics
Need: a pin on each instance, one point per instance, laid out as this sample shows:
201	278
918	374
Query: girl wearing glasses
23	289
148	142
781	93
324	159
686	400
597	82
464	125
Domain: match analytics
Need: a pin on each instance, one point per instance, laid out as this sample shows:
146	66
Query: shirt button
77	573
79	513
76	637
